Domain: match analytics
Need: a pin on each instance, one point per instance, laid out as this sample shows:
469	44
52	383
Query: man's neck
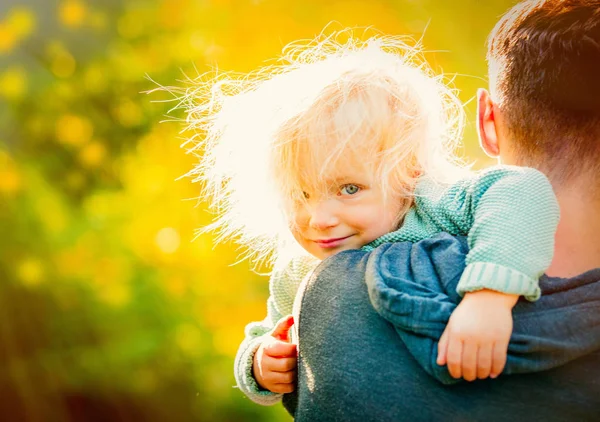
577	247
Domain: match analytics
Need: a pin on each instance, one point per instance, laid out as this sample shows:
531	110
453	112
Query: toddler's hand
475	341
274	363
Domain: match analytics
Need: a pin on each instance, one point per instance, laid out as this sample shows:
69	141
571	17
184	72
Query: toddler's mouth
331	243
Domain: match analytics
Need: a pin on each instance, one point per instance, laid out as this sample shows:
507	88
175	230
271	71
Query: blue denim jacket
414	288
354	365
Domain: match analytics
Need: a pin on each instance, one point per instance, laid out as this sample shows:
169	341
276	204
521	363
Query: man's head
544	69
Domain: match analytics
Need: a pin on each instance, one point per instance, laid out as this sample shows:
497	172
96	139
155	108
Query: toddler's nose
323	216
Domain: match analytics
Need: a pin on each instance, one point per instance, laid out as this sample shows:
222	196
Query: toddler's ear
486	124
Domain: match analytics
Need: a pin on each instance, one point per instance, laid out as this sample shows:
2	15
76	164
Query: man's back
353	366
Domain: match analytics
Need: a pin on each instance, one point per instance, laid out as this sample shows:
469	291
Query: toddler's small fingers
283	364
469	360
272	380
280	349
283	388
499	359
454	357
442	349
287	377
484	360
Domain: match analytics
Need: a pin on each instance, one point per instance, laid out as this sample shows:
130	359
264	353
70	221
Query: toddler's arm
510	215
283	285
255	335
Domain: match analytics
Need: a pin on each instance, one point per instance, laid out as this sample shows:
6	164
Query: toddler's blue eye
349	189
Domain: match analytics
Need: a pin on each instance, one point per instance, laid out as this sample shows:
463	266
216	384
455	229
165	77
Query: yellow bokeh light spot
63	64
22	21
168	240
72	13
92	154
50	210
10	181
128	113
8	38
74	130
30	272
147	179
13	83
94	79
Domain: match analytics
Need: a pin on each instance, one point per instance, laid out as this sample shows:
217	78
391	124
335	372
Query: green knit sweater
509	214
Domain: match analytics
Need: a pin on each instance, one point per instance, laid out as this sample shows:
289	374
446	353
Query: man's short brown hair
544	64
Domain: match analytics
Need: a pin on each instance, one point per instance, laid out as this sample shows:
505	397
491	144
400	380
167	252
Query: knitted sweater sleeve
509	214
283	286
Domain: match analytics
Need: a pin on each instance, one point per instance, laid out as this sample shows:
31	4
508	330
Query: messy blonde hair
266	136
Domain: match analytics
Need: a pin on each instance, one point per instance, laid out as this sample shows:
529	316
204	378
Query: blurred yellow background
108	310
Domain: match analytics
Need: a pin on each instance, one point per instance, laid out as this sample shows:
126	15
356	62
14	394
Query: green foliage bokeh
109	308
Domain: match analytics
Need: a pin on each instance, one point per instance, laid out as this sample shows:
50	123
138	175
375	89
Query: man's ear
486	124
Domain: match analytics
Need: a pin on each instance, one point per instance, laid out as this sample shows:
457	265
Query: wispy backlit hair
333	102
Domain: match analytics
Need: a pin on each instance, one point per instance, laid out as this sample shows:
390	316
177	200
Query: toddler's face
350	215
